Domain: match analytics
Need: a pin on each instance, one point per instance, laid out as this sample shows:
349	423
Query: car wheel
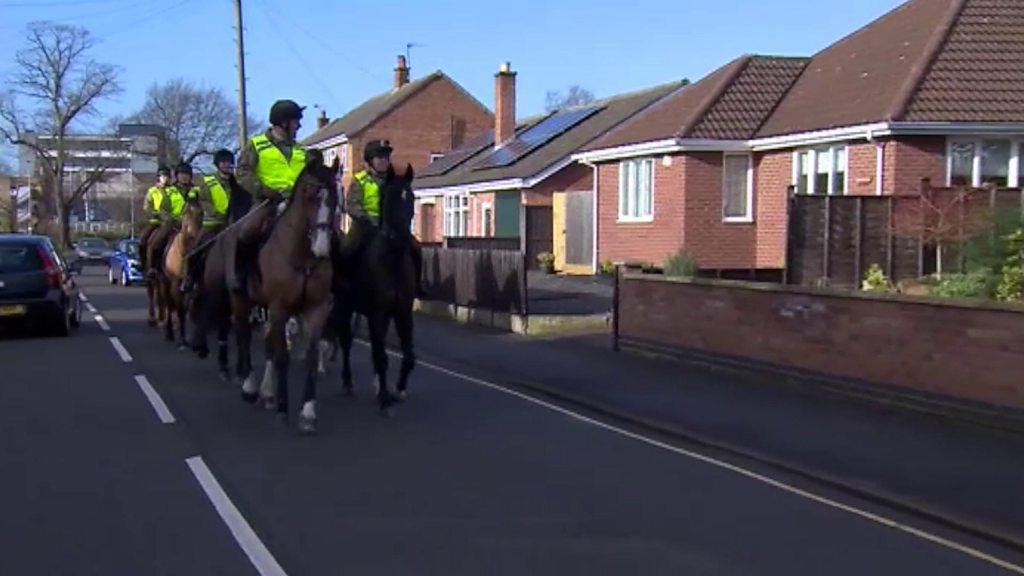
110	275
63	326
76	315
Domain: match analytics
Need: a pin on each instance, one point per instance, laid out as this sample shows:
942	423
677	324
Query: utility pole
243	129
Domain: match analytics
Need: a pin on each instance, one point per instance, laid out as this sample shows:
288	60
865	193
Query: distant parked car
36	287
124	263
91	251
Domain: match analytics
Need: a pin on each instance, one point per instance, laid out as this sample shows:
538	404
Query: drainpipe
879	163
593	167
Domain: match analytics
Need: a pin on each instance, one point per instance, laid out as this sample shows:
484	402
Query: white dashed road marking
261	558
121	350
162	412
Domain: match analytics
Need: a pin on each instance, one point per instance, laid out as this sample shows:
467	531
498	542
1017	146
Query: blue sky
335	54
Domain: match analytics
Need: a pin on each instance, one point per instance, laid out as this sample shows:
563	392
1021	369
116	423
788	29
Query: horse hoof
307	426
269	404
348	392
401	395
224	376
202	353
182	348
250	397
387	412
281	419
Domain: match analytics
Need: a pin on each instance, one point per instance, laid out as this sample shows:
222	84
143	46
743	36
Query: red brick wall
437	215
648	242
423	124
903	343
861	166
572	178
773	174
714	244
915	158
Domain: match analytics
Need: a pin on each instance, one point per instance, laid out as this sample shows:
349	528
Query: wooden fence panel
490	279
489	243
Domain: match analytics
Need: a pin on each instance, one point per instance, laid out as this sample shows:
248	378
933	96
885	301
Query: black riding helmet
223	155
163	171
377	149
183	168
285	110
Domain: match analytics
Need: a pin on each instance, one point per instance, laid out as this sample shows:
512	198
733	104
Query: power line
301	30
298	55
126	26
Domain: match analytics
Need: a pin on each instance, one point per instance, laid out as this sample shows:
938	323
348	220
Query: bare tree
55	72
199	120
575	96
943	217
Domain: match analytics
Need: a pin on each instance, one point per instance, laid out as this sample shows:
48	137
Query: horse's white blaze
249	385
267	387
309	410
322	242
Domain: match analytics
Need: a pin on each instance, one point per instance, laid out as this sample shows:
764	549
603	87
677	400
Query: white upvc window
821	170
456	214
980	161
435	156
737	188
636	190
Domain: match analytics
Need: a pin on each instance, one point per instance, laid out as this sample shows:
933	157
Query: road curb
936	516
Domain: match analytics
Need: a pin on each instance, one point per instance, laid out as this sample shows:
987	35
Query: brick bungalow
423	119
510	175
933	89
680	175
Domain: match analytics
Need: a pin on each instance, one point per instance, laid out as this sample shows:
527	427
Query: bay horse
171	273
380	284
293	282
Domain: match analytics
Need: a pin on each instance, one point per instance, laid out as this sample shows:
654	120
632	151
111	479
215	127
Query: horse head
315	197
191	219
398	203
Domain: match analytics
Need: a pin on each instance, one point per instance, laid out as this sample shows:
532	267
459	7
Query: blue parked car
124	263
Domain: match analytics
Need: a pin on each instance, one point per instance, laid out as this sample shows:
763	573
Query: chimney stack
401	73
504	105
321	120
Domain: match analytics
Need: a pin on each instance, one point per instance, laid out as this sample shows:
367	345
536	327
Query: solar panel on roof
458	156
536	136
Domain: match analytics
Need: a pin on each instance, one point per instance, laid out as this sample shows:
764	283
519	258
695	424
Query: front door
574	232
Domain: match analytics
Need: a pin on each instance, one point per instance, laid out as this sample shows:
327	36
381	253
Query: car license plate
12	310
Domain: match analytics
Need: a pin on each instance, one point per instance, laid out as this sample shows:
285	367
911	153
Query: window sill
738	220
628	220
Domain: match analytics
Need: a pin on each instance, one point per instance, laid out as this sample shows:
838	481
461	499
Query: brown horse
293	282
381	285
171	274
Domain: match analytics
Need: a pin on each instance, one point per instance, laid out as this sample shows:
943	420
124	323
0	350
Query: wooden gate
538	233
573	231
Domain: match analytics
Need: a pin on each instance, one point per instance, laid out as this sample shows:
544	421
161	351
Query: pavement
552	294
471	476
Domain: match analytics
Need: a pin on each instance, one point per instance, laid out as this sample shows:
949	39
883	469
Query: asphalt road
466	479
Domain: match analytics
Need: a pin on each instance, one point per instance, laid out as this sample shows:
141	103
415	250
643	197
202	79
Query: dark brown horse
293	283
381	285
171	272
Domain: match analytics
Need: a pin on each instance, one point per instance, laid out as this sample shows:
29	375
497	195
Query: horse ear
409	173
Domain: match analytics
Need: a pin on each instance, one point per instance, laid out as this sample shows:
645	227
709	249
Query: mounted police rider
267	168
171	206
154	207
218	195
363	204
